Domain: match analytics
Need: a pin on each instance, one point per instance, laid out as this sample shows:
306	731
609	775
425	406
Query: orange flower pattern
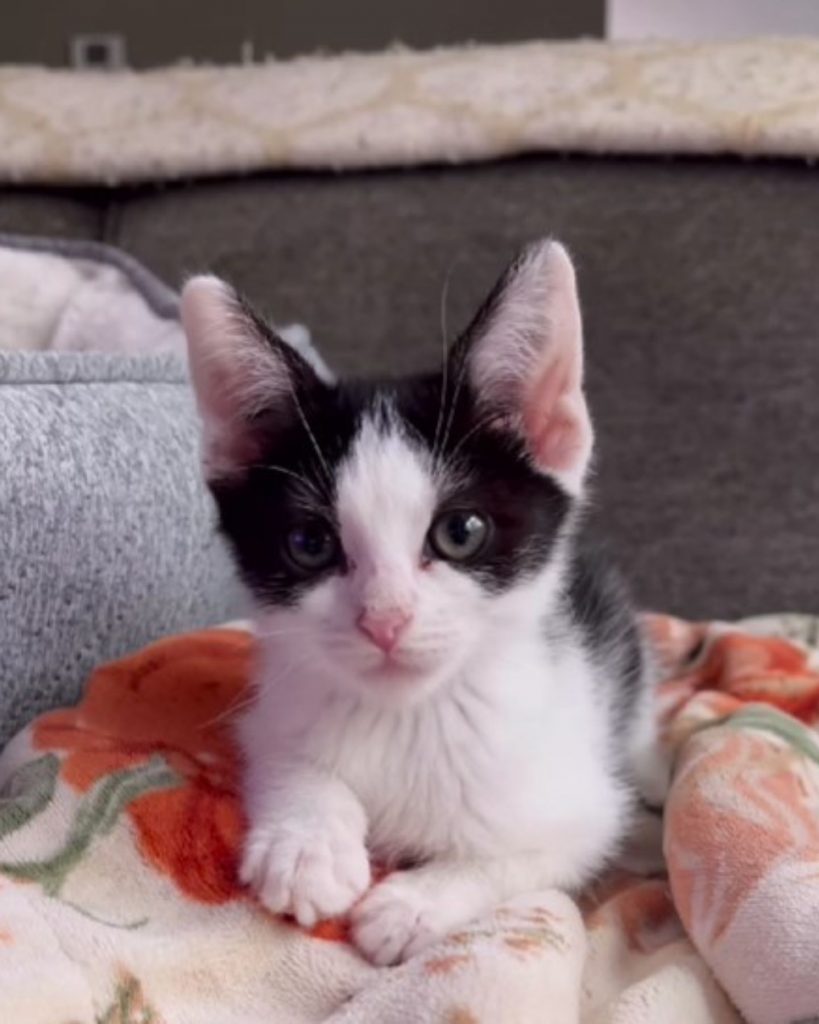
741	835
151	741
173	699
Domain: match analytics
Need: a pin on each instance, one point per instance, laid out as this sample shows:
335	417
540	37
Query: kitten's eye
311	546
457	536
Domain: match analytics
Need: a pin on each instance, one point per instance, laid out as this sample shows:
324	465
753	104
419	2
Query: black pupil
461	528
312	546
312	541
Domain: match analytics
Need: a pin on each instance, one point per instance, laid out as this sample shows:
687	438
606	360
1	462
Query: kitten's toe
398	919
307	873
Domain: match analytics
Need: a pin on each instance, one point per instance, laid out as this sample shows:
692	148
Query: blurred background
147	33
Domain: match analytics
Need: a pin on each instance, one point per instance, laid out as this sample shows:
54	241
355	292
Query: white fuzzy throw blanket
66	295
753	97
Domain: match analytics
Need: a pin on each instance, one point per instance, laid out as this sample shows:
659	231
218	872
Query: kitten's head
390	532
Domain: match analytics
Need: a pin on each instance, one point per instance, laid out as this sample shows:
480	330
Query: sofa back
698	279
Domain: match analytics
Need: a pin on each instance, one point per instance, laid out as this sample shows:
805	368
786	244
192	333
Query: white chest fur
510	757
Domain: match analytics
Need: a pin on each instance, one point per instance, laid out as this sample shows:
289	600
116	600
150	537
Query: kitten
445	685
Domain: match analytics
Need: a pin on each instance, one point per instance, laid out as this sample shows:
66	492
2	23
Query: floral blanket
120	830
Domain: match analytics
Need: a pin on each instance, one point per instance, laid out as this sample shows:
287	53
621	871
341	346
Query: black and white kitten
444	684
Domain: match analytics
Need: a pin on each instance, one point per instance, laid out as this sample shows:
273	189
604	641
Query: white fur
481	750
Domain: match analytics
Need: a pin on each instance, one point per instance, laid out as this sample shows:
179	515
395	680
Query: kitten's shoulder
596	592
599	607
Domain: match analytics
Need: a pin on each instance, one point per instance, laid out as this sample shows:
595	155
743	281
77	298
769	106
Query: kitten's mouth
392	667
401	669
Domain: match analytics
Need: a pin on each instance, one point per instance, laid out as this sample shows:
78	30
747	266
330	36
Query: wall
710	19
38	31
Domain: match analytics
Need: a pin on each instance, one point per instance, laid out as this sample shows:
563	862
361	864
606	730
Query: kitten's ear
245	377
524	353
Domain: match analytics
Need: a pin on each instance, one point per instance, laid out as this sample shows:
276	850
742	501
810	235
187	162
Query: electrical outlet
103	51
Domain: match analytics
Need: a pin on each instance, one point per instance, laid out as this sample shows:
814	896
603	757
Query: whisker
248	700
454	401
482	422
230	711
448	462
308	430
267	467
318	502
311	507
444	359
274	634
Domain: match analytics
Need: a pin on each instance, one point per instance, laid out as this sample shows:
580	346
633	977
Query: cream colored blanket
120	831
750	97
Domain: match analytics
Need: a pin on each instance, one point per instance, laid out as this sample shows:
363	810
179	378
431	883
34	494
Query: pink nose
384	628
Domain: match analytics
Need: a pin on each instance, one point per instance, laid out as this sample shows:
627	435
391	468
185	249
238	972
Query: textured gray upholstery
107	536
701	306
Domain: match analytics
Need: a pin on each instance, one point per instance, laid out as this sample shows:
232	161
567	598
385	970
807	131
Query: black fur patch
599	604
290	480
493	474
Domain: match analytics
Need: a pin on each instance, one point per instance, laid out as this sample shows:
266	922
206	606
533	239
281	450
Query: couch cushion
108	536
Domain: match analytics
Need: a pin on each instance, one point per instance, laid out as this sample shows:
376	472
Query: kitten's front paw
401	917
311	873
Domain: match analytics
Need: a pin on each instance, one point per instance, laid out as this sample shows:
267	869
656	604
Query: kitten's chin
394	681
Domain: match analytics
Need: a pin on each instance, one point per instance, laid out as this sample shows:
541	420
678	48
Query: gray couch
700	297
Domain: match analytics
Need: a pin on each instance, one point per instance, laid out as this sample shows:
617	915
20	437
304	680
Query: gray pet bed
107	533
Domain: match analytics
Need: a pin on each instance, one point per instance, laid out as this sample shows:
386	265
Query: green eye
458	536
311	546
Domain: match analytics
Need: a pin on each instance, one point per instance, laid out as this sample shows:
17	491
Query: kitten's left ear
524	354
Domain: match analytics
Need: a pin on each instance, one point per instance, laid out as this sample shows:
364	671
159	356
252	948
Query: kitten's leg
410	910
305	853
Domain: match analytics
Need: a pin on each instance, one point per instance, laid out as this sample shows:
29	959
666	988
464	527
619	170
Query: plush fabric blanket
120	829
71	295
402	107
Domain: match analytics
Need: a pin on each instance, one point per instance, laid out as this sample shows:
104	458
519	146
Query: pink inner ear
229	443
556	421
227	450
234	371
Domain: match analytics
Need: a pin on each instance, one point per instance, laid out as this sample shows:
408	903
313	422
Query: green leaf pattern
128	1006
27	792
96	815
762	716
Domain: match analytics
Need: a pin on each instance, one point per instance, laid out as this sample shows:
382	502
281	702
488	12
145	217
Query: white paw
401	917
312	873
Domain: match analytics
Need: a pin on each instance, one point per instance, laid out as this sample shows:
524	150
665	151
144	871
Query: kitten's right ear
243	374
